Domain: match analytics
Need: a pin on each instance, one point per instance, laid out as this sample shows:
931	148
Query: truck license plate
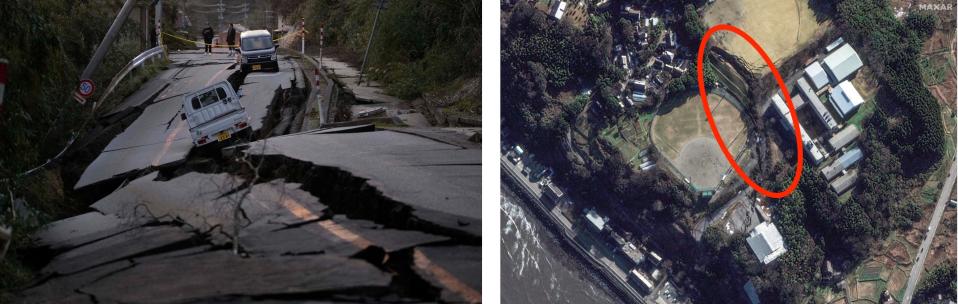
257	67
222	136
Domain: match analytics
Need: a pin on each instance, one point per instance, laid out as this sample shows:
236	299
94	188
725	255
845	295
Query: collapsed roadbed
342	214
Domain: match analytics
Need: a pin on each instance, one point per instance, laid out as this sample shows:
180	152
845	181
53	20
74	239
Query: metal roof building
820	109
816	74
846	99
766	242
807	142
595	220
844	137
842	184
844	162
841	63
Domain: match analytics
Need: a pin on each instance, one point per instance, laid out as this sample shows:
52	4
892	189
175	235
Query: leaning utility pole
370	42
159	22
107	40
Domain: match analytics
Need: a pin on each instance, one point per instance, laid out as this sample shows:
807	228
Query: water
534	267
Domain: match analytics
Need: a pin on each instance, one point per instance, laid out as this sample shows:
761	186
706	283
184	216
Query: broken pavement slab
81	229
456	269
217	274
157	137
338	236
204	201
441	182
121	246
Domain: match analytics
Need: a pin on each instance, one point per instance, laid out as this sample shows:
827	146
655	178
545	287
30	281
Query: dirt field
781	27
681	132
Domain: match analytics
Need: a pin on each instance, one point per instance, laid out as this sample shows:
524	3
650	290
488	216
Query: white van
214	114
257	51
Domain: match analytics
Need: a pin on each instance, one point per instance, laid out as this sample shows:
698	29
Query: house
638	95
632	255
640	281
559	9
842	184
667	57
820	110
844	162
595	221
841	63
816	74
843	137
766	242
846	99
552	192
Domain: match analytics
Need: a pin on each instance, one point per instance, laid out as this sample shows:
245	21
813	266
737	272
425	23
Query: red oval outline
788	101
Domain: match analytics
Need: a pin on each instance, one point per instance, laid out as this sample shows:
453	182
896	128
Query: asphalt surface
919	268
158	137
351	214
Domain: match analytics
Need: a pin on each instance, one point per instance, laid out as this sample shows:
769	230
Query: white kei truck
214	114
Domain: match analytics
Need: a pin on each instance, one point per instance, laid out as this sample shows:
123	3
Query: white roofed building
559	10
841	63
766	242
846	99
807	142
817	75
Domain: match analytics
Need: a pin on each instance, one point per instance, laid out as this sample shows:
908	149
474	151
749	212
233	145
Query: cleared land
682	134
781	27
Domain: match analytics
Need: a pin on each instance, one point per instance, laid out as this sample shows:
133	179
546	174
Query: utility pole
107	40
362	69
159	22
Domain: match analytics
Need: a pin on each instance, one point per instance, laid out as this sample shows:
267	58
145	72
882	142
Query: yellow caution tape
234	45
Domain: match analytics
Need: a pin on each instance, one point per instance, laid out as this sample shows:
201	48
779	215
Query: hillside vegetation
48	43
420	46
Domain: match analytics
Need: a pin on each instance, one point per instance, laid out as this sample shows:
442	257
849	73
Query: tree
922	23
940	280
693	26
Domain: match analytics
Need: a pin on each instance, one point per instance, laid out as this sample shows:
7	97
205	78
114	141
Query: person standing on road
231	38
208	39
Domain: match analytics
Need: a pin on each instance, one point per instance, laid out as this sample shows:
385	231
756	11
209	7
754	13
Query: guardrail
6	237
134	63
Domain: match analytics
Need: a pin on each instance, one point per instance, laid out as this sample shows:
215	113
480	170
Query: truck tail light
240	125
202	140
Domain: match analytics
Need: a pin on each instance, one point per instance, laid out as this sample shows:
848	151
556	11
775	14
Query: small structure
596	221
816	74
632	255
553	192
842	163
820	109
842	184
559	10
843	137
751	293
841	63
835	44
766	242
846	99
667	57
639	280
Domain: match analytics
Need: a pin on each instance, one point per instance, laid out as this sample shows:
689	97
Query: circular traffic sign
86	88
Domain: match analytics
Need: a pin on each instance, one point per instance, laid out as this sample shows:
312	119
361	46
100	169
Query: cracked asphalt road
350	214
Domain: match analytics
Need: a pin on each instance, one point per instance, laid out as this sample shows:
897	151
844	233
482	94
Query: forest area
420	47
